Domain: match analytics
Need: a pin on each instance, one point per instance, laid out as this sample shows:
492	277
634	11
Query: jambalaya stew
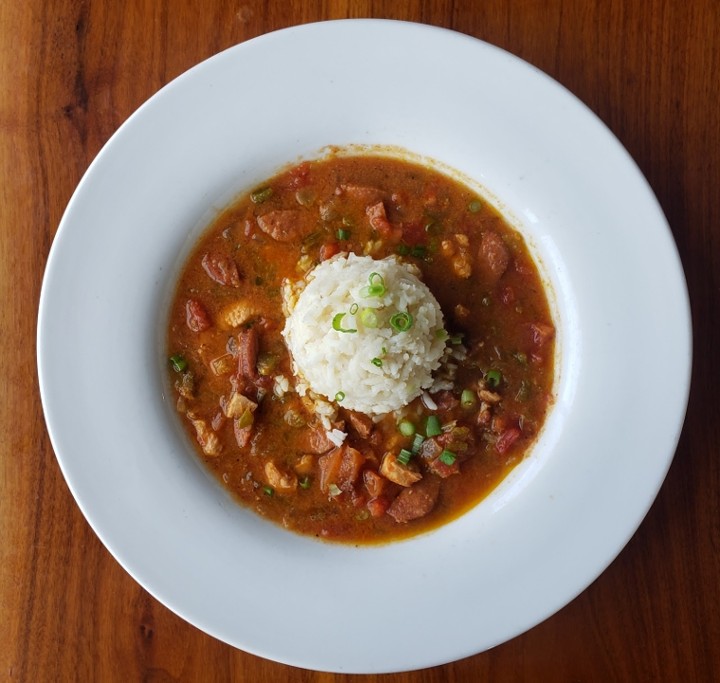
361	348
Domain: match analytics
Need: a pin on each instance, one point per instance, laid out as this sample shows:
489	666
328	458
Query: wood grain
72	70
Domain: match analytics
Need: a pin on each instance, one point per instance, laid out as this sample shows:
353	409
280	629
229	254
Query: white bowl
619	297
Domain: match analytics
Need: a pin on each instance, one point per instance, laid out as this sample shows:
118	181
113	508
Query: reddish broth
226	348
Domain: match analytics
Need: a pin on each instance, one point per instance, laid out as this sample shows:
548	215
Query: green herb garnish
337	324
178	362
401	322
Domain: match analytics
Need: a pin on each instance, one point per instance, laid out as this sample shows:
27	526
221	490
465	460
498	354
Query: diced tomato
444	470
507	439
329	250
414	233
299	176
374	483
196	316
380	223
358	498
378	506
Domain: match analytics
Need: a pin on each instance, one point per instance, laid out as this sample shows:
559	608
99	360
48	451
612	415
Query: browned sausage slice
416	501
493	258
283	225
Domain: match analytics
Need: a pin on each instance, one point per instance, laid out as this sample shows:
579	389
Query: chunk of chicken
207	439
281	480
237	405
457	251
489	396
237	313
401	474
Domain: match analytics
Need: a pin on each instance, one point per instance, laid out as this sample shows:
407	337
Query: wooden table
71	71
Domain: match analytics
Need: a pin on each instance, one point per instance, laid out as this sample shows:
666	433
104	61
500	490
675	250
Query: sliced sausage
221	269
283	225
362	424
247	348
196	316
415	502
378	219
315	440
493	258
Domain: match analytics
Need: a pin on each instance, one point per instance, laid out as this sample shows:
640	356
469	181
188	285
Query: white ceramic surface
619	295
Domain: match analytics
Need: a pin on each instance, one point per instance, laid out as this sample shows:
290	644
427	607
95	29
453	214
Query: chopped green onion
377	362
418	251
343	235
402	249
468	398
305	483
334	490
441	334
401	322
432	427
493	377
406	428
417	443
447	457
404	456
261	195
474	206
368	317
354	309
339	396
456	339
376	286
178	363
337	324
268	491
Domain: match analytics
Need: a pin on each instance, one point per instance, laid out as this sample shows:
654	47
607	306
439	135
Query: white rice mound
337	364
